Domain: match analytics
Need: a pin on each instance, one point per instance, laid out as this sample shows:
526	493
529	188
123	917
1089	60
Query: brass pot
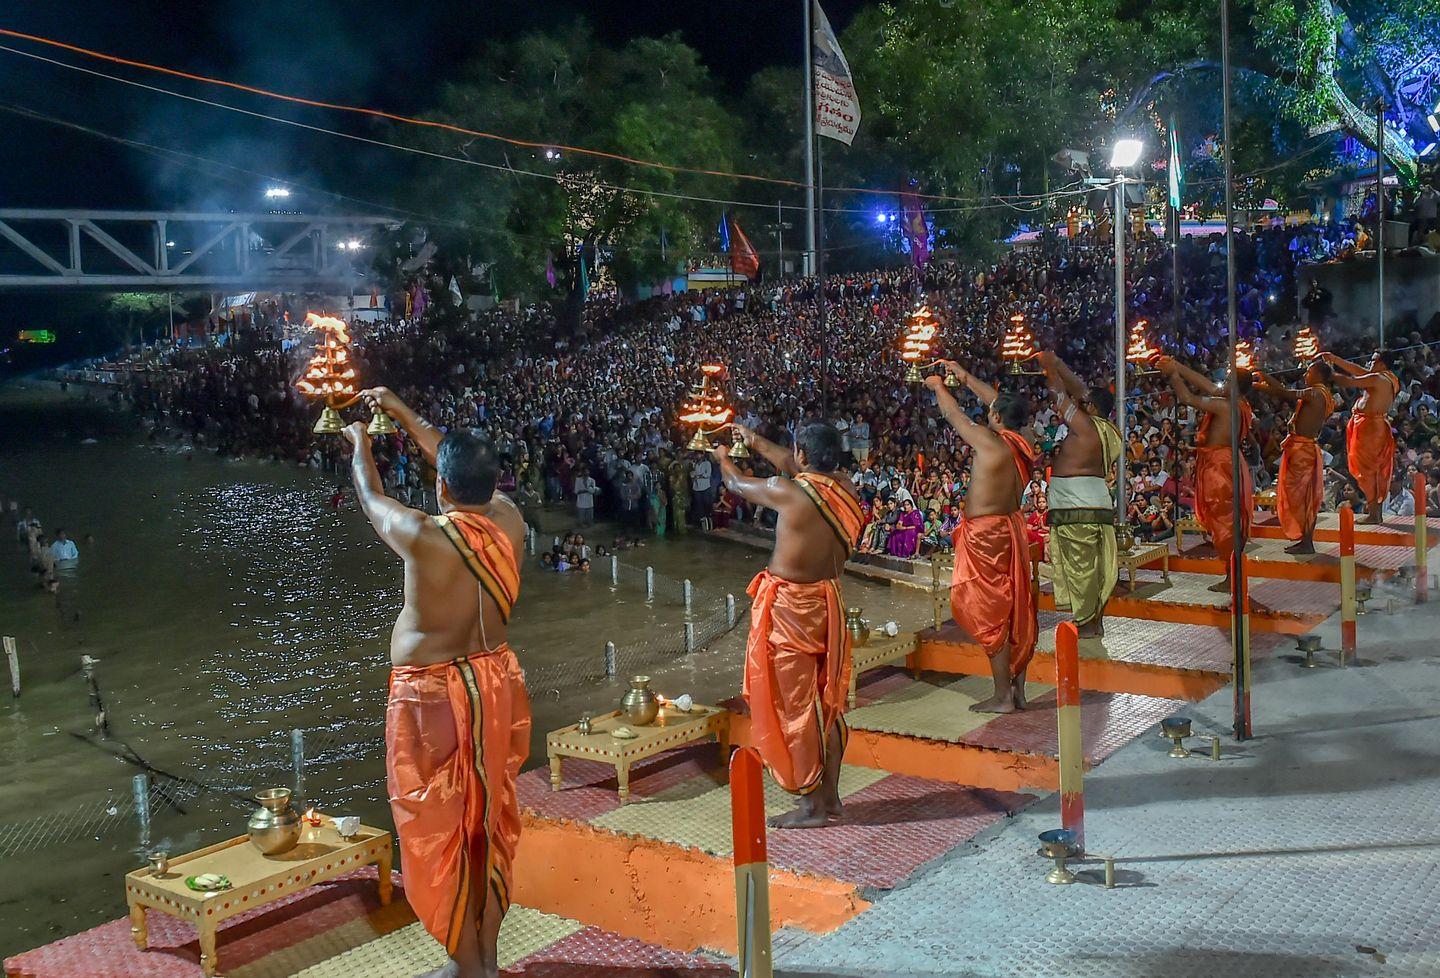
275	825
858	627
639	704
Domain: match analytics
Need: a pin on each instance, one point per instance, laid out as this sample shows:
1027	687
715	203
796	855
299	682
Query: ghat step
1170	660
660	868
339	930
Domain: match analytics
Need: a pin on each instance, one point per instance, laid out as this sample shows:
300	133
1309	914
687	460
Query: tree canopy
964	100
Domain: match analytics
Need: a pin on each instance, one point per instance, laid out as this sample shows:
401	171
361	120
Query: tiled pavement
937	707
1279	597
894	824
1152	643
1309	851
338	930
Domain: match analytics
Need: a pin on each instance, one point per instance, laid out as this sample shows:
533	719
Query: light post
1123	155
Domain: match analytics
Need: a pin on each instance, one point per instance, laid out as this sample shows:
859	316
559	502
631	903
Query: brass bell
330	422
951	380
739	449
380	424
700	442
913	375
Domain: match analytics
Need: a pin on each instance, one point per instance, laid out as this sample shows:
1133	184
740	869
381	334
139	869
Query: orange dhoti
797	676
1301	485
456	735
990	592
1215	490
1370	447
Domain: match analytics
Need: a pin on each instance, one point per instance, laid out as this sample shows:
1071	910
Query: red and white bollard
1422	546
1347	582
752	867
1067	716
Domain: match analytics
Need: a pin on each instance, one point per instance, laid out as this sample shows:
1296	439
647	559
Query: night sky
389	55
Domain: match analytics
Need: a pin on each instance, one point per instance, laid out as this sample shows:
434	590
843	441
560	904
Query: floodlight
1125	153
277	193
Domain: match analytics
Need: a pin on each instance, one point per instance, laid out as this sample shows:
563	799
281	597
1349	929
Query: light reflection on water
227	603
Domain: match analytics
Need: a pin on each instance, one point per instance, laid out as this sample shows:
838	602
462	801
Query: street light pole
1380	212
1117	224
1239	617
808	265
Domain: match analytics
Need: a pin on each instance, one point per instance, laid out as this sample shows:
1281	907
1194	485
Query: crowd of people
589	421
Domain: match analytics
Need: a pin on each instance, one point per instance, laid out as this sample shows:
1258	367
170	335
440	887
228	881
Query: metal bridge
151	250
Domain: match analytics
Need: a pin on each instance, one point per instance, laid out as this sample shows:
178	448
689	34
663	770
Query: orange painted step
1164	659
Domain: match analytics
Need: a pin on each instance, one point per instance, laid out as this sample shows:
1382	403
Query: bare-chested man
1215	481
797	659
1080	509
1369	442
1301	485
990	591
458	725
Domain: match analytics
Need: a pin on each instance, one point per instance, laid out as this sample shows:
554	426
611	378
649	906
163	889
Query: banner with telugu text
837	106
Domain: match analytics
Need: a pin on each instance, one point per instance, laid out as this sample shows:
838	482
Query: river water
227	603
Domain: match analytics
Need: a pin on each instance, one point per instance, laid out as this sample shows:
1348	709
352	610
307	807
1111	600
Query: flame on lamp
330	373
311	816
1307	344
915	345
1244	355
1140	351
1019	343
706	405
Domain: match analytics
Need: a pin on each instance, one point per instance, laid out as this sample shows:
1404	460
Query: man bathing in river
797	659
990	595
457	728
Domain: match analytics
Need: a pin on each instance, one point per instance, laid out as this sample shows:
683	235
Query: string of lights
458	130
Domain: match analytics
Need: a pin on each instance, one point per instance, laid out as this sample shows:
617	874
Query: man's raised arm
397	524
1062	382
978	387
1342	365
1198	381
425	435
977	436
772	493
1267	385
782	458
1179	376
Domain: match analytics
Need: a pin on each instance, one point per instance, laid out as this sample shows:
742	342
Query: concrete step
1287	607
660	867
339	930
925	728
1266	558
1170	660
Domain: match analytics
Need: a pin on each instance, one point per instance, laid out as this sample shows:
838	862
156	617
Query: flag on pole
744	259
584	275
1177	179
837	107
455	291
550	269
724	233
916	231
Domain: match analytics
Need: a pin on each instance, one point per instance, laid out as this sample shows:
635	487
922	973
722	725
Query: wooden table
670	729
256	879
879	651
1143	554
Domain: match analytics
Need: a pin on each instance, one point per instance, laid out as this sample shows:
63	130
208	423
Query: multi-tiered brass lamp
330	378
1018	346
1141	352
706	409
